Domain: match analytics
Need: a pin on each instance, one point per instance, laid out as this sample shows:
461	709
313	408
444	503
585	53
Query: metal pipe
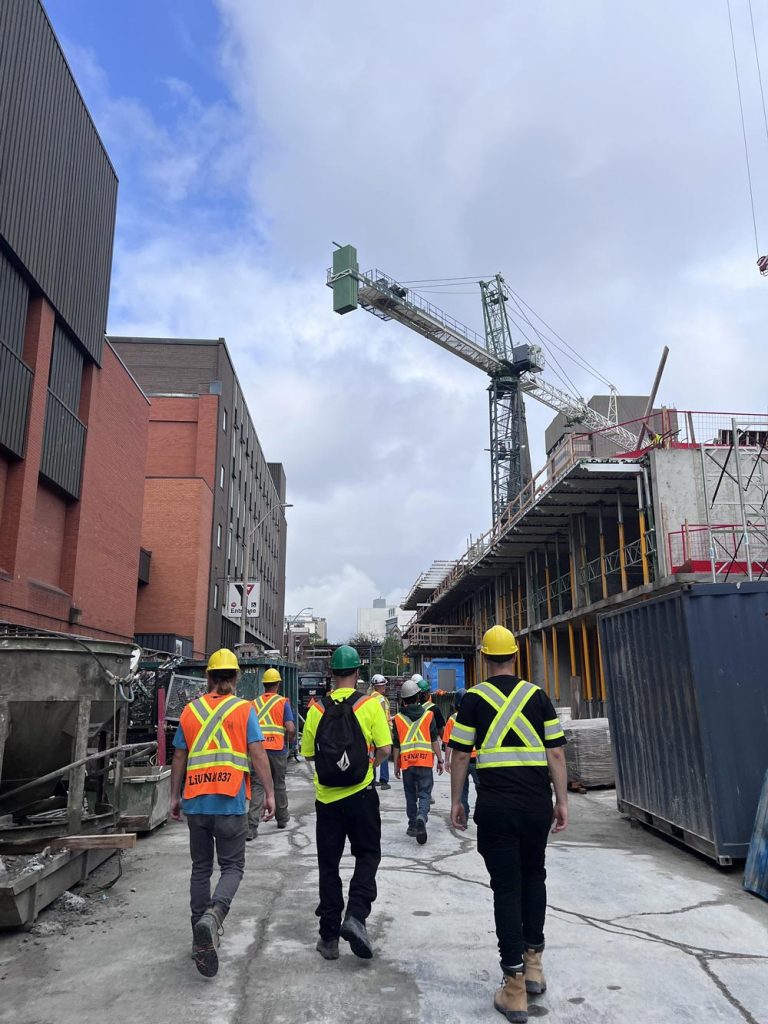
622	552
603	577
652	396
545	656
151	745
549	584
587	668
710	539
742	504
555	666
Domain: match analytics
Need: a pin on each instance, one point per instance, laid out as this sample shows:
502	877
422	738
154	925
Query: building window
224	420
218	536
215	595
221	478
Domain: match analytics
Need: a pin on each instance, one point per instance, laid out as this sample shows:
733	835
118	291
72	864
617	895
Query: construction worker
340	738
276	720
218	738
417	746
520	758
379	691
427	702
459	696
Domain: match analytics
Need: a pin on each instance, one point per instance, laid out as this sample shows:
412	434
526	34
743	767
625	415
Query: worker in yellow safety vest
417	747
277	724
217	741
520	759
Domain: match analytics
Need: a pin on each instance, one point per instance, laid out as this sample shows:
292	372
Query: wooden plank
114	841
77	775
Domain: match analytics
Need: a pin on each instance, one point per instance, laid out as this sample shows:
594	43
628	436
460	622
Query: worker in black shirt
520	757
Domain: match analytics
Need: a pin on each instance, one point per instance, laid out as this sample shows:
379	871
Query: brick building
208	485
73	421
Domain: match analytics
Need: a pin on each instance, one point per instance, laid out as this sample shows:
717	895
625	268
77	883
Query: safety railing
719	549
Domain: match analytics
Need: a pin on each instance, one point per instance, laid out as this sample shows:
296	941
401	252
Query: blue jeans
465	792
417	784
384	771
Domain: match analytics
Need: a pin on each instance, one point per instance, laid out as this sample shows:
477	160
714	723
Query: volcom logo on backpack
341	750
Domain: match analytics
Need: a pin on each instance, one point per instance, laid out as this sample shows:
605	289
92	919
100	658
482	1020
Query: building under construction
594	531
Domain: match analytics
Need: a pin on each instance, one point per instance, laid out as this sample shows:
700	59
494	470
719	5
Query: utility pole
246	564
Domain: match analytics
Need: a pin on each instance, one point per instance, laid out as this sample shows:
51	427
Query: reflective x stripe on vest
267	706
211	722
415	744
510	717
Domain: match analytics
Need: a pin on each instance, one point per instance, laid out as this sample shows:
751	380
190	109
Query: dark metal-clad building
73	422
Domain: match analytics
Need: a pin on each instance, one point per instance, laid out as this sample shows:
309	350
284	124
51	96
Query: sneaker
356	934
421	831
411	831
384	785
328	948
205	940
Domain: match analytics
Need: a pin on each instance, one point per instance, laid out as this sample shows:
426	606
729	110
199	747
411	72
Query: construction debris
588	753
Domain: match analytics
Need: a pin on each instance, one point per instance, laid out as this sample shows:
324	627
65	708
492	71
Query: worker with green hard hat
425	699
514	728
346	736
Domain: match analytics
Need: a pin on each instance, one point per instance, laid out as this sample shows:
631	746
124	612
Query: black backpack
341	751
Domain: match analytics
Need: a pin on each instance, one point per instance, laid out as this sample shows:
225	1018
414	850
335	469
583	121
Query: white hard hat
409	689
378	679
416	678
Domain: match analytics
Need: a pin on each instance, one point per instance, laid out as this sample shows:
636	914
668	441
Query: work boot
328	948
535	982
205	939
384	785
251	835
511	999
283	824
356	934
421	831
411	831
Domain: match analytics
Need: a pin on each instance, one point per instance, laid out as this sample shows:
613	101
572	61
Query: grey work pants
278	764
225	835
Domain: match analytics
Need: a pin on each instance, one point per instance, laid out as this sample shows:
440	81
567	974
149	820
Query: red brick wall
177	530
3	478
171	450
58	553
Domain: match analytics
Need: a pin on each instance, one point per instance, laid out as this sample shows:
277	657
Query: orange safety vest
216	733
415	745
447	735
270	709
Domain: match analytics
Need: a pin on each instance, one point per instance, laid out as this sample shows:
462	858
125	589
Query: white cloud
591	152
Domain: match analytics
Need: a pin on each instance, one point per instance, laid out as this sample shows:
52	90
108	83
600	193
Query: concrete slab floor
639	932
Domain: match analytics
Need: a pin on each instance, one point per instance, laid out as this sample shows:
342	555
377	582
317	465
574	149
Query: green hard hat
423	685
345	657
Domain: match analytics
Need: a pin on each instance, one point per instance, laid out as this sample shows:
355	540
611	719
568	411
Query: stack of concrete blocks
588	753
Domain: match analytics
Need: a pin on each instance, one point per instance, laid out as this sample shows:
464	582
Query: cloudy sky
591	152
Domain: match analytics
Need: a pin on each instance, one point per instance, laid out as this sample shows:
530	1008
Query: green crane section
514	370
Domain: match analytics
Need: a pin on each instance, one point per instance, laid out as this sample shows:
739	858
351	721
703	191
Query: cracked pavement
638	930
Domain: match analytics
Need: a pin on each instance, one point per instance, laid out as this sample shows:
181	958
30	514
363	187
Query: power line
743	125
759	72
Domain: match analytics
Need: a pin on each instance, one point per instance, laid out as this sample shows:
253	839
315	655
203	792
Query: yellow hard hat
499	640
271	676
223	660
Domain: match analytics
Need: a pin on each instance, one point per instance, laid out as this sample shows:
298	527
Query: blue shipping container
445	674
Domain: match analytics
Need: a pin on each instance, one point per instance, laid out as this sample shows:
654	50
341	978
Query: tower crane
514	369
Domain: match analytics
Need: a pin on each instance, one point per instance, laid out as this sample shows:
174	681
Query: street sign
234	607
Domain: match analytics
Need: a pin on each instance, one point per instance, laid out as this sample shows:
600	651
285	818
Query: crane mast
514	370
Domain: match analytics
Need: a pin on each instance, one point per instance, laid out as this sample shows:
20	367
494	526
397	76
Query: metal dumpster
145	797
687	683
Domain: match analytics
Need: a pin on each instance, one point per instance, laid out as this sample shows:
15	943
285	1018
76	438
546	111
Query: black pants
513	845
355	818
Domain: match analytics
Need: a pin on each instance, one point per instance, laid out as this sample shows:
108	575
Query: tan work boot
535	982
511	999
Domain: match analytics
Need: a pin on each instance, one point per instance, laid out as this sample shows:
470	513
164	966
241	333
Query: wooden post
555	666
77	775
122	733
587	668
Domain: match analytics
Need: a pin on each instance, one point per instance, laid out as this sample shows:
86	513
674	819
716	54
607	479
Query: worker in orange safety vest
417	746
217	741
277	724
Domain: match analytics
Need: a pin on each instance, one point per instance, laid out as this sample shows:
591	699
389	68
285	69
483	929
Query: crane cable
759	70
743	123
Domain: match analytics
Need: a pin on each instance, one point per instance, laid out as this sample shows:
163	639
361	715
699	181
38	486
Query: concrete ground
638	931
